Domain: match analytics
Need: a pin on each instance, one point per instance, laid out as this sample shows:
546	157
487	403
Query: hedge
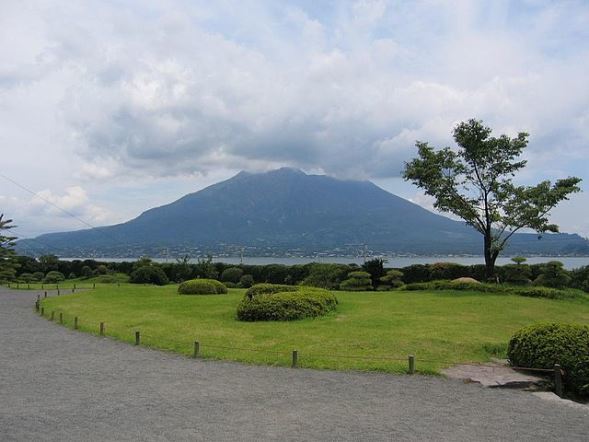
302	302
268	289
543	345
202	287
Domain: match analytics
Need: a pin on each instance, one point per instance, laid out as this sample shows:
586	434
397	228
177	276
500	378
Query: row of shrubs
328	276
269	302
532	292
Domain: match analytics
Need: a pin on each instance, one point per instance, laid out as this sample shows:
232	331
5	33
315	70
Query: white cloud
114	96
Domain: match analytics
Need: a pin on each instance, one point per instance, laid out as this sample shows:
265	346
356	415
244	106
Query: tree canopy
475	183
7	262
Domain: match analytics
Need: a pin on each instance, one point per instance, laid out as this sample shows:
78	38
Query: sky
108	108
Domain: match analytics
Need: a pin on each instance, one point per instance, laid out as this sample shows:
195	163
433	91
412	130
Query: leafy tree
357	281
393	278
553	275
246	281
149	274
53	277
48	263
8	264
475	183
204	268
376	269
232	274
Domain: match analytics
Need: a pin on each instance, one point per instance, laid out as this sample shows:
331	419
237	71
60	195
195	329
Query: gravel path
57	384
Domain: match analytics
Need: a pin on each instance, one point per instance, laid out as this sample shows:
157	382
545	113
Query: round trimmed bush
268	302
543	345
53	277
149	274
357	281
232	274
202	287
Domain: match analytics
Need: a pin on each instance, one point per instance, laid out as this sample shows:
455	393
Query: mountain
288	211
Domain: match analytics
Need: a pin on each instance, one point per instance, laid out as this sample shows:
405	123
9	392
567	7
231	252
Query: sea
569	262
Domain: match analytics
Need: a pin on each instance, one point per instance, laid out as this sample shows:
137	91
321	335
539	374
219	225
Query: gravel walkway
57	384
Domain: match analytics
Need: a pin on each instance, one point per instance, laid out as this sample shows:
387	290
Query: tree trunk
490	258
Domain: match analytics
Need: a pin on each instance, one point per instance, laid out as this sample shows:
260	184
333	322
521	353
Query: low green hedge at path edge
368	331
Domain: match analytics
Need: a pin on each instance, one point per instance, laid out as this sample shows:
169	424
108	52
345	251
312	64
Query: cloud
119	93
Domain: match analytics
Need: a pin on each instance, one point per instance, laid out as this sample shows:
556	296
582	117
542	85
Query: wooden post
76	323
37	304
42	311
28	286
61	318
102	329
45	294
558	387
52	316
411	364
196	349
57	292
73	289
137	338
295	358
93	285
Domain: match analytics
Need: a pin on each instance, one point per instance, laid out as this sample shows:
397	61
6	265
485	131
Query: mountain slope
286	210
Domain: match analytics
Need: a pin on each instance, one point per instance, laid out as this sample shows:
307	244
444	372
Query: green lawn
367	332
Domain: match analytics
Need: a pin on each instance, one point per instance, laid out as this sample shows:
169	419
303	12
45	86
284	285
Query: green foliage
357	282
149	274
8	263
327	276
543	345
268	289
232	274
393	279
546	292
72	275
26	277
202	287
53	277
519	259
48	263
102	269
246	281
38	276
303	302
204	268
111	278
475	183
86	272
554	275
375	267
580	278
518	274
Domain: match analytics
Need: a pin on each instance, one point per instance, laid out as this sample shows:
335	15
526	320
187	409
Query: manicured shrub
547	292
53	277
543	345
457	285
304	302
357	282
86	272
517	274
232	274
72	275
148	274
326	276
553	275
38	276
202	287
111	278
246	281
268	289
26	277
392	279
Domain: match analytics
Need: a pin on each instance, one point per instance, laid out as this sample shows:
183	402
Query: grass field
369	331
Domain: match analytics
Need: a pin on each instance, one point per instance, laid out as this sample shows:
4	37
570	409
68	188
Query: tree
475	183
8	264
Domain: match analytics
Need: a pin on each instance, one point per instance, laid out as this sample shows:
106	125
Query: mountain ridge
285	211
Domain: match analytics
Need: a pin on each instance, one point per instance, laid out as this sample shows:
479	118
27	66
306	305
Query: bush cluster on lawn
543	345
357	282
149	274
202	287
532	292
284	303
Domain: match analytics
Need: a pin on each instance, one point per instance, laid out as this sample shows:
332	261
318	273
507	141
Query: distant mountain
288	211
